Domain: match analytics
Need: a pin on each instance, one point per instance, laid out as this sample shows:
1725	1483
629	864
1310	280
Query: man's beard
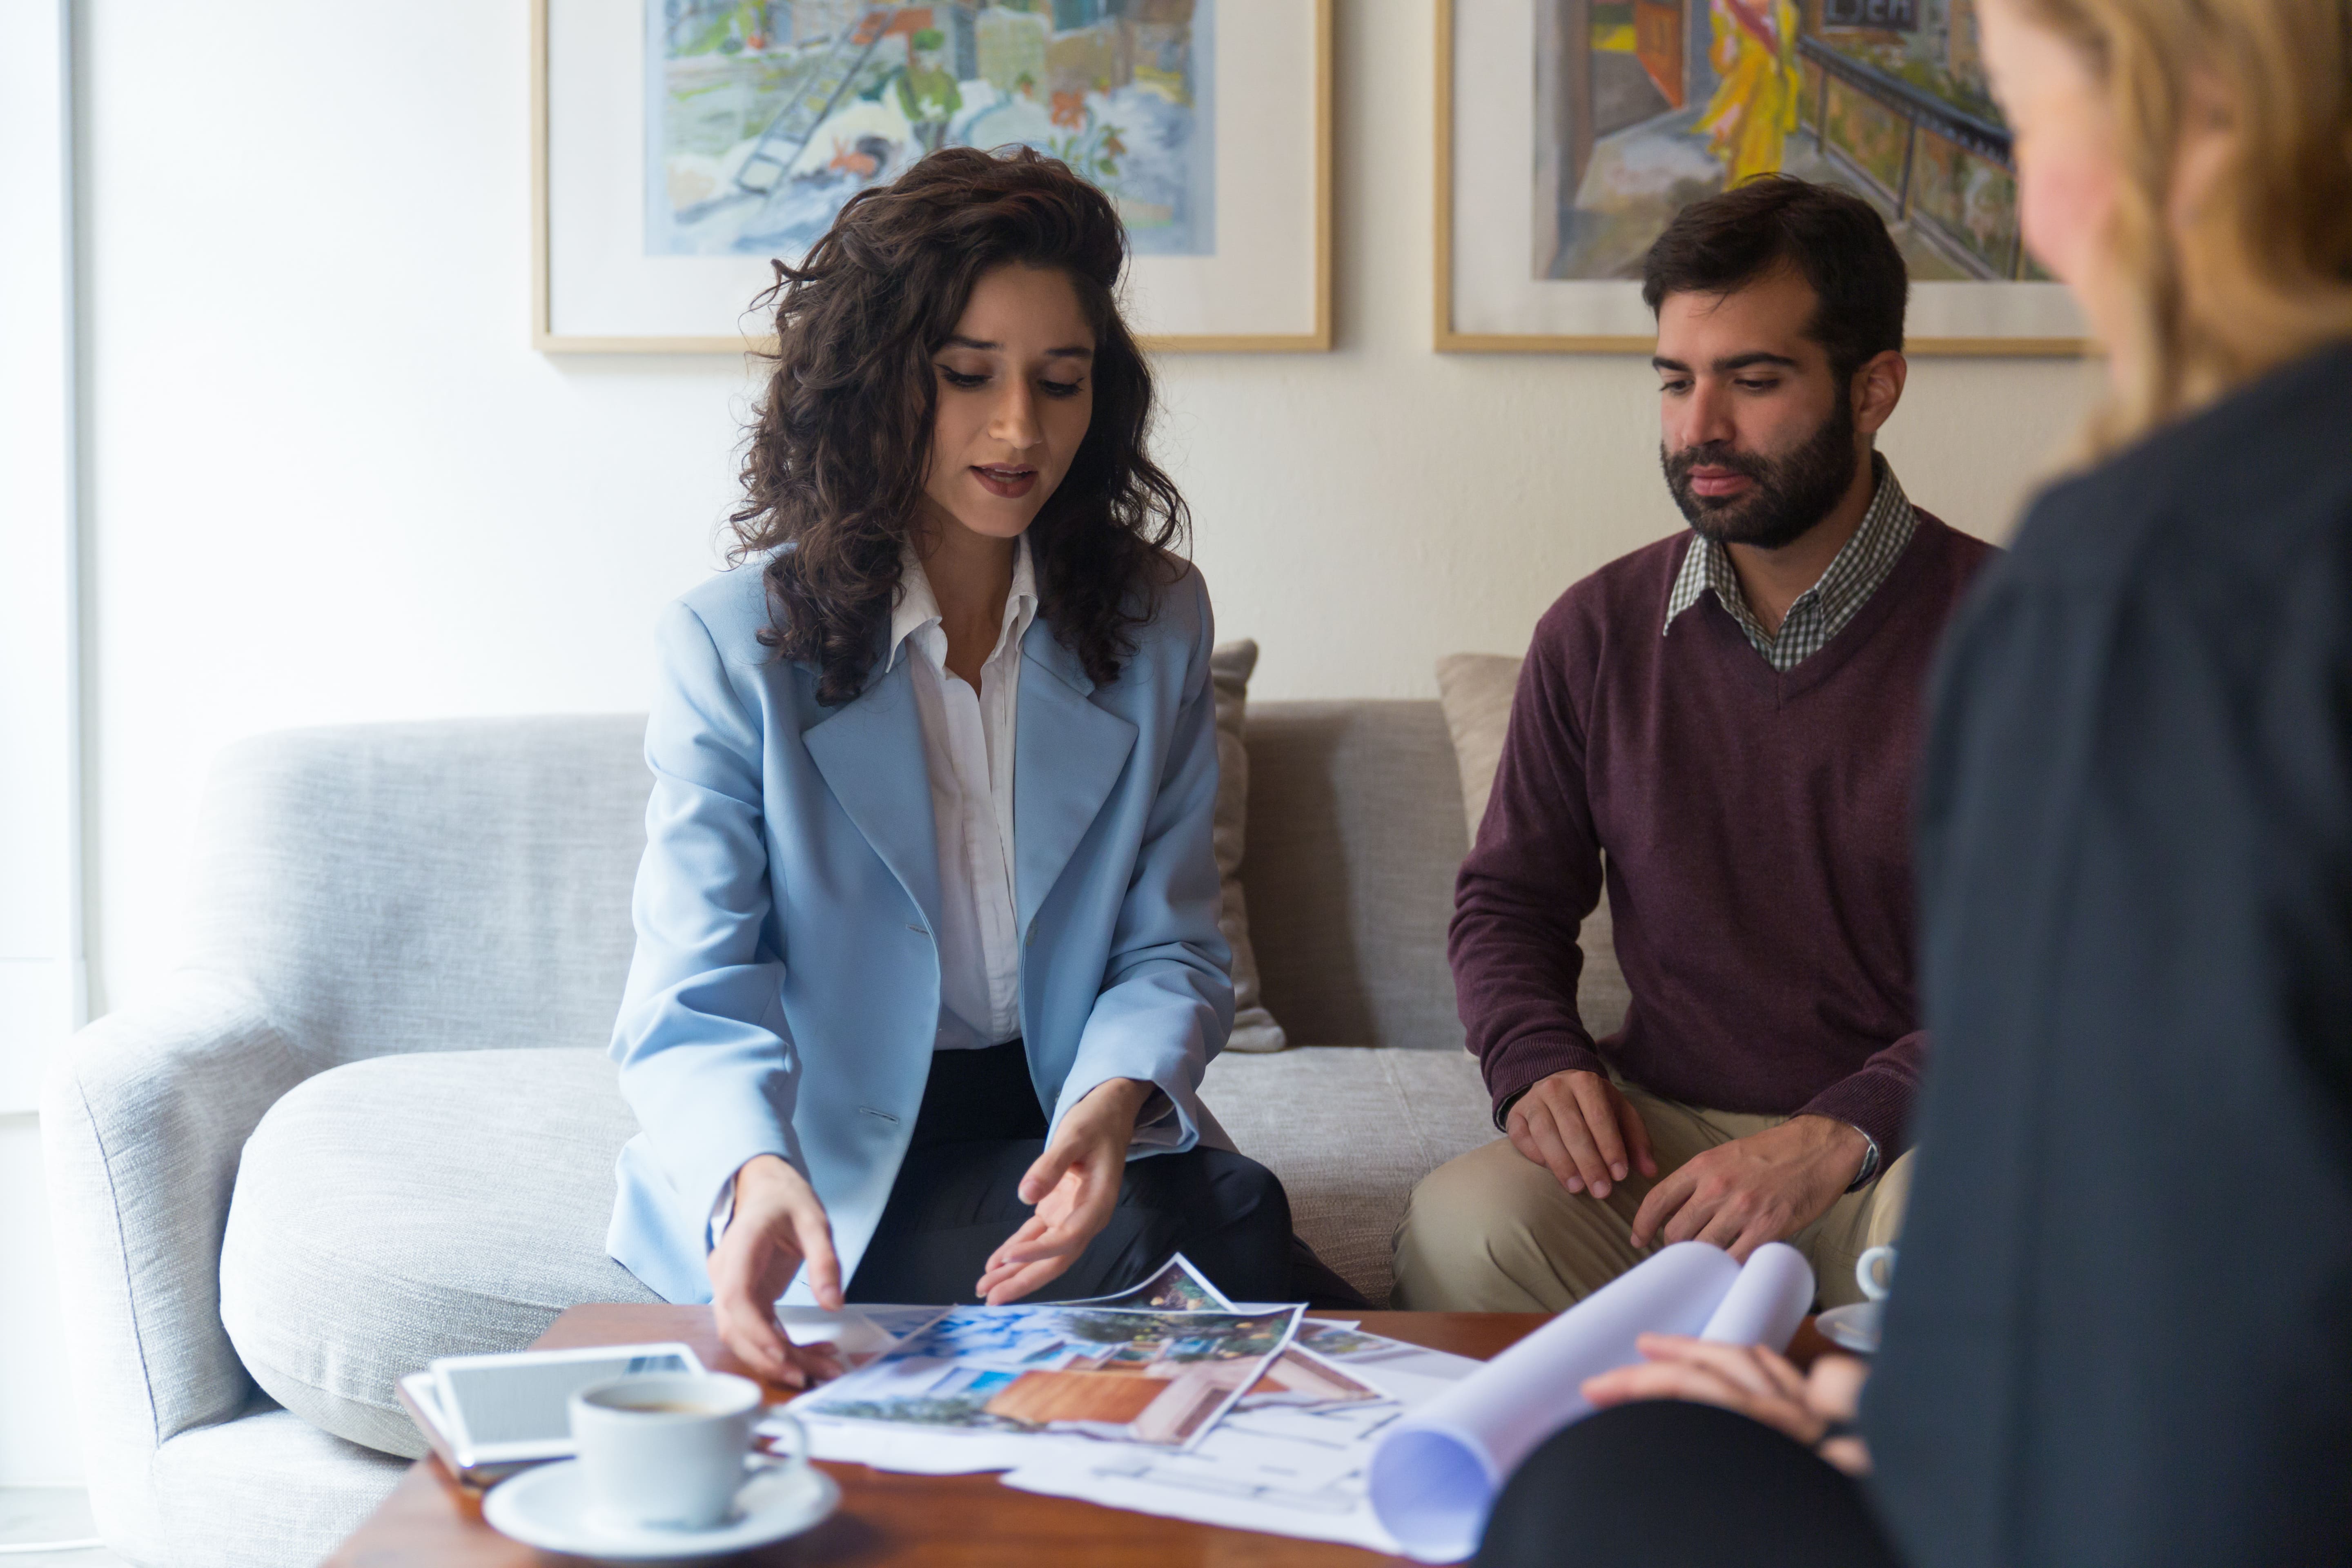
1792	491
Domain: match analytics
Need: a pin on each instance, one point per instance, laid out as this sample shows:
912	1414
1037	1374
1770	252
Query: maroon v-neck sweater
1757	829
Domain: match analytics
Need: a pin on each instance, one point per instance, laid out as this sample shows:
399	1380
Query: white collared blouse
968	750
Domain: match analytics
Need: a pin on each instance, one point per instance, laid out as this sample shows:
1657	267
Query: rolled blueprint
1436	1473
1767	1301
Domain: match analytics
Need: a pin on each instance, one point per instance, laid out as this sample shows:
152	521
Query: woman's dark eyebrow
1072	352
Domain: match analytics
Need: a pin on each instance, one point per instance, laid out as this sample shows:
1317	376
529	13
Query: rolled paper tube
1767	1301
1436	1473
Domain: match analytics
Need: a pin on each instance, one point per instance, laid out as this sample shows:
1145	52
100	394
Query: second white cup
1867	1274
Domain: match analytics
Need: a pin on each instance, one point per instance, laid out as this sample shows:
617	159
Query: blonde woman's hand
1752	1380
778	1225
1074	1185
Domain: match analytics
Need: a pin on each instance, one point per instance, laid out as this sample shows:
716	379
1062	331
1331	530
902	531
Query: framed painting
678	146
1570	131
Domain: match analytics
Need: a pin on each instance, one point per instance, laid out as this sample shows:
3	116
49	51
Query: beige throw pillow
1475	692
1230	664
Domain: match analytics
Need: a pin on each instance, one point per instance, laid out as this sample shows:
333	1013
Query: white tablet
503	1408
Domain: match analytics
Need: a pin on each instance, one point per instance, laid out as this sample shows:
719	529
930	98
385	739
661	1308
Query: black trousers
956	1200
1667	1484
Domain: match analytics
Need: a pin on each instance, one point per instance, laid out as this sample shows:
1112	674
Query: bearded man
1730	717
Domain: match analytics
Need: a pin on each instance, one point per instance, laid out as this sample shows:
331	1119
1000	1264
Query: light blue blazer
785	991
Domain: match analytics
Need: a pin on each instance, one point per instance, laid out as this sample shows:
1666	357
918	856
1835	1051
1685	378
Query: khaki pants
1495	1232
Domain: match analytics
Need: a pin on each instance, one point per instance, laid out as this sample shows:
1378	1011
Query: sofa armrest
142	1121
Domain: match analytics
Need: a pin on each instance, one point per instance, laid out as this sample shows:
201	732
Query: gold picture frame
546	340
1446	339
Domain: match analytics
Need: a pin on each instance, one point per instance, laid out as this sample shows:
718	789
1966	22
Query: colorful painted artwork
1643	106
762	117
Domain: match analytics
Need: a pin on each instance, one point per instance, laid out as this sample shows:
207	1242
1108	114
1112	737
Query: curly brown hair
833	479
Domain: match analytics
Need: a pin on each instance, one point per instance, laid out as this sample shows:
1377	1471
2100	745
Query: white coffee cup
670	1451
1866	1272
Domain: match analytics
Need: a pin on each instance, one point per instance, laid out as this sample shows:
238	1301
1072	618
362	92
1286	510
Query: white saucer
549	1508
1855	1326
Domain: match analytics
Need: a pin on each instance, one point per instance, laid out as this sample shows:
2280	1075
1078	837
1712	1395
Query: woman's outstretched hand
1074	1186
778	1224
1754	1381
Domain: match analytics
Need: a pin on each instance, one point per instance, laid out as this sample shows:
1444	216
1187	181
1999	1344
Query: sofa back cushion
459	884
1355	833
464	885
1475	690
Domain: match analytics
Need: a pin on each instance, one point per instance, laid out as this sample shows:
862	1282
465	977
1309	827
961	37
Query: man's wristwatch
1869	1172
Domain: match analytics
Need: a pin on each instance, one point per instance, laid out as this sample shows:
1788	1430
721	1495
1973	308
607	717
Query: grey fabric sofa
370	1121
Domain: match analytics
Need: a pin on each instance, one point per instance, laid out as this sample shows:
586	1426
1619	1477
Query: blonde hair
2261	272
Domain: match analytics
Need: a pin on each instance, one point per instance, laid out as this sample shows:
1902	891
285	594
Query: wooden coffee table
958	1522
887	1519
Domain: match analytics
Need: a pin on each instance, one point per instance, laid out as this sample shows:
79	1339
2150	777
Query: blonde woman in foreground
2123	1331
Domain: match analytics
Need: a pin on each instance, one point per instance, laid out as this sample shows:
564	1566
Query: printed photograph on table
1300	1377
1149	1377
1619	114
686	145
1177	1287
1291	1457
1334	1342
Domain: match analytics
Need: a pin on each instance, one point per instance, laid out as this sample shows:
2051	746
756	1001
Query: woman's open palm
1074	1185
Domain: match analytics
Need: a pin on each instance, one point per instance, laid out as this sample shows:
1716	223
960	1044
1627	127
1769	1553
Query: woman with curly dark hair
928	957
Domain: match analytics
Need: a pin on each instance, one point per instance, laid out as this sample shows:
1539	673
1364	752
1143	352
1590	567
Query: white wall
332	482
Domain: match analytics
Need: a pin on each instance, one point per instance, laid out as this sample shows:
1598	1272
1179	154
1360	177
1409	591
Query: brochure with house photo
1154	1378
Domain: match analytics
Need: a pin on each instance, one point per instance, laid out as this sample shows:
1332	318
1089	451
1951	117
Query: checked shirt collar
1822	611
